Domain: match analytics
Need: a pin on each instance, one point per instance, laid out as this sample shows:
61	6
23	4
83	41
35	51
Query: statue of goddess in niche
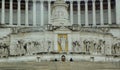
62	41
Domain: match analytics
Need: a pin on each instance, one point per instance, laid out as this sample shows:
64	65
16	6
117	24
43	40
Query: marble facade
59	37
29	43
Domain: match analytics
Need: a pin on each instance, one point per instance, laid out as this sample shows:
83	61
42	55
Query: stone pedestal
60	13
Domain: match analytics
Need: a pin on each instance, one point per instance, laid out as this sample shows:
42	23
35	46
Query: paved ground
60	66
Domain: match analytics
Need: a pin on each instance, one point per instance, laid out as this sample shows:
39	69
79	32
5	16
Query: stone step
58	66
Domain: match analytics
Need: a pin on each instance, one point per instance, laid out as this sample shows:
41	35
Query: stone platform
60	66
58	57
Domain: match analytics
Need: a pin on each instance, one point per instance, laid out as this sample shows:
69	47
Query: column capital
78	2
11	0
109	0
93	0
18	0
49	0
26	0
33	0
42	1
86	1
71	2
101	0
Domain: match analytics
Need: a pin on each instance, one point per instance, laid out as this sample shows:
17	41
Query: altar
60	37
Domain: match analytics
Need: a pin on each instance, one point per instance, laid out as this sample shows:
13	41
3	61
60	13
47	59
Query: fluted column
86	12
19	13
11	13
42	15
49	11
109	12
3	12
79	13
94	12
117	11
71	12
34	12
26	12
101	12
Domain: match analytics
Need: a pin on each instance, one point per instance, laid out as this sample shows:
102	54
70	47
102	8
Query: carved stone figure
40	46
116	48
62	40
50	46
20	48
29	48
99	49
87	46
101	46
4	50
95	47
76	46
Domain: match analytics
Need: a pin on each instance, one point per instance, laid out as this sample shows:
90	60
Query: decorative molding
25	30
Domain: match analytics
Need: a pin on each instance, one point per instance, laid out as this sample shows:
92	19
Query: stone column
71	12
34	12
117	9
69	43
3	12
94	12
55	43
86	12
109	12
79	13
42	12
101	12
26	12
19	13
11	13
49	11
